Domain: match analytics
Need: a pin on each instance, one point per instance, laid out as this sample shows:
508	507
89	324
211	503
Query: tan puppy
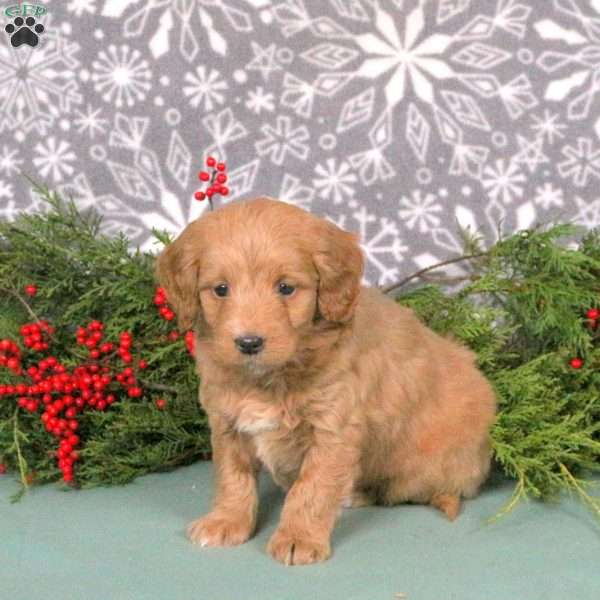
344	396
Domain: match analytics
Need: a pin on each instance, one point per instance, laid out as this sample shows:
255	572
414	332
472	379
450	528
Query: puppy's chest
279	434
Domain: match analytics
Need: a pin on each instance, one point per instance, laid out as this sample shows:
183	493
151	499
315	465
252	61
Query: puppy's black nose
249	344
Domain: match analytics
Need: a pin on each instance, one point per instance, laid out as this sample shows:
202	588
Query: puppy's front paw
297	550
217	530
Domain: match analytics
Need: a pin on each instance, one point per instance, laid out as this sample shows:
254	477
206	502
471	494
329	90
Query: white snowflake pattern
282	140
421	211
205	86
335	181
79	7
548	196
90	121
579	64
504	181
54	158
121	75
588	213
582	162
548	126
9	161
404	56
259	101
197	25
6	189
381	244
37	87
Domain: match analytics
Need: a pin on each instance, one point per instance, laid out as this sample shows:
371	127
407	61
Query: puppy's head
253	277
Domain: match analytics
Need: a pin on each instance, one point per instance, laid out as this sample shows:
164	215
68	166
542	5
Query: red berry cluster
593	315
64	394
217	180
160	300
36	335
10	356
90	337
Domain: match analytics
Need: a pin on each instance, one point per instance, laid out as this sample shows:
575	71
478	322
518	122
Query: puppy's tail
448	504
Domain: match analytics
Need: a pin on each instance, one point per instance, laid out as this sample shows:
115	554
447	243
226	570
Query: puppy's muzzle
249	344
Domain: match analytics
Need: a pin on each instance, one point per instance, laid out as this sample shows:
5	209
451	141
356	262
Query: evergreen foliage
522	309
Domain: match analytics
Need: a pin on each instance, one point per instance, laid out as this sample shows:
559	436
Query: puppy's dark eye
285	289
221	290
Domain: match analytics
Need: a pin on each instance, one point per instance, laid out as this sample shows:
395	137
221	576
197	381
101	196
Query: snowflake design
406	58
121	75
259	100
582	162
10	161
205	86
382	246
504	181
54	159
548	196
588	213
90	122
335	182
6	189
420	210
224	128
79	7
548	127
38	85
197	25
283	140
580	67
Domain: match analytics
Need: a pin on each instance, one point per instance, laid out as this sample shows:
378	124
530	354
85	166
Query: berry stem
22	300
157	386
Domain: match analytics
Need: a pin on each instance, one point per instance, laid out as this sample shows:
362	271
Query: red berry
576	363
211	162
199	195
31	290
143	364
160	403
203	176
221	178
593	313
221	166
210	192
174	336
224	190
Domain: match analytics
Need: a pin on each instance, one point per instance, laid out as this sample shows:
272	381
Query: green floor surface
128	543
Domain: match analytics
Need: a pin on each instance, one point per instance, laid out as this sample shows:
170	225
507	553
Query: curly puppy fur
351	401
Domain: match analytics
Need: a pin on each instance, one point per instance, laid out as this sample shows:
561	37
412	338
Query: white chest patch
258	425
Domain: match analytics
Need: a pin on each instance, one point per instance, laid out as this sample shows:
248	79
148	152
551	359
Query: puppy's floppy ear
177	272
339	262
